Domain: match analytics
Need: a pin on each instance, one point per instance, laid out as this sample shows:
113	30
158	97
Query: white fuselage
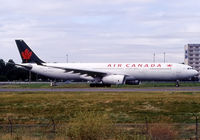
132	71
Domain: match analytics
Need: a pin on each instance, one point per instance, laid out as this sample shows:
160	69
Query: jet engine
113	79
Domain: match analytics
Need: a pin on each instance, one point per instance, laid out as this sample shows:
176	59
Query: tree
2	70
11	70
2	66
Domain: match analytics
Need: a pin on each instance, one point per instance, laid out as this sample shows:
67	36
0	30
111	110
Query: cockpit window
189	68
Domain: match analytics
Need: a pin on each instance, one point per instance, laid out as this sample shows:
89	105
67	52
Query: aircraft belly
146	74
153	75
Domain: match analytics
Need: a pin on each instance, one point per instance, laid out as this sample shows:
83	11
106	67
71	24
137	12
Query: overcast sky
100	30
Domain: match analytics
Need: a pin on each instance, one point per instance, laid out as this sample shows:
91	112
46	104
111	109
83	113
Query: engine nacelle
113	79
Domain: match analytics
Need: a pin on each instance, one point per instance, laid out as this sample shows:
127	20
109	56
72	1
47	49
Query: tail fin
27	55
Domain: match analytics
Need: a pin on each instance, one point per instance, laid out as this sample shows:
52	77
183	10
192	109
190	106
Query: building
192	56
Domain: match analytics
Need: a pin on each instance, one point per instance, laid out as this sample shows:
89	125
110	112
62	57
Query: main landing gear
177	83
53	83
99	85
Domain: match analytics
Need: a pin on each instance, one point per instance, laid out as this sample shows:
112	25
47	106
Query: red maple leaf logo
26	55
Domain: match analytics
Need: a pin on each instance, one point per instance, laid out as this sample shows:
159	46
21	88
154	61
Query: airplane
104	74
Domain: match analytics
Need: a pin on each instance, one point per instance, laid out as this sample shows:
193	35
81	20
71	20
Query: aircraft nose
195	72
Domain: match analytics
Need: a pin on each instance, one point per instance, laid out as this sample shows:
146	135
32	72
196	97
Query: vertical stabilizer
27	55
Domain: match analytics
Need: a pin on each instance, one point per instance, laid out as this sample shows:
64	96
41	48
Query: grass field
119	108
127	107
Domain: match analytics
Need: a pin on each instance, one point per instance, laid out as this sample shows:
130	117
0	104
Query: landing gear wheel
99	85
92	85
177	83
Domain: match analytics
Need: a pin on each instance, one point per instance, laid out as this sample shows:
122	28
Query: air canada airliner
104	74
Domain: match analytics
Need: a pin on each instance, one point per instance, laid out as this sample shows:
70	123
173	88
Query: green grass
73	112
26	86
127	107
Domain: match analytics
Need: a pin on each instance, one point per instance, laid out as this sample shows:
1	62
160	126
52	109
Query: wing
81	71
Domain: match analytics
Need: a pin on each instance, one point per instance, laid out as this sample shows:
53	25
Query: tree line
9	72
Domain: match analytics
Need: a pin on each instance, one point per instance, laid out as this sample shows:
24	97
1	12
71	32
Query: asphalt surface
185	89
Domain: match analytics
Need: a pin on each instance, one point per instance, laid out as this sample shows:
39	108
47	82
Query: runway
185	89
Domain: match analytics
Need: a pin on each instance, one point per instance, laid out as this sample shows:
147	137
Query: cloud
99	30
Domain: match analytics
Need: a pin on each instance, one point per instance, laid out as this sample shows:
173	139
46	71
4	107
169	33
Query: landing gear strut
53	83
177	83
